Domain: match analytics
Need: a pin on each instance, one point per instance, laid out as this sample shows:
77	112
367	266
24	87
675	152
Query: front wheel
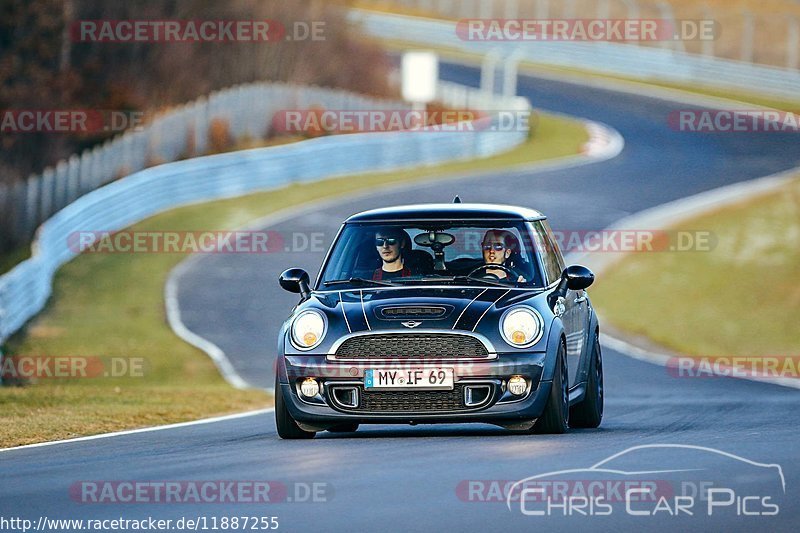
287	427
555	418
589	412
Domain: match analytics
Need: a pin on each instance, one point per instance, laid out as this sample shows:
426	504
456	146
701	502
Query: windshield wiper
359	281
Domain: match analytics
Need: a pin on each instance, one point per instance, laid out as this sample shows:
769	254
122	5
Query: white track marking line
143	430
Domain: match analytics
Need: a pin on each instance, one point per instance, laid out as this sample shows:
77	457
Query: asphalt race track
400	478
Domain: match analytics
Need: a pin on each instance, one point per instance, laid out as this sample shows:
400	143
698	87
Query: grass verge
111	305
742	298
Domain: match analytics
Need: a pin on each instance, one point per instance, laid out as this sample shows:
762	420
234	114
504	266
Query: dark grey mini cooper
440	313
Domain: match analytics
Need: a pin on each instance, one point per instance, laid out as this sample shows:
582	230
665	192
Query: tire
344	428
589	412
555	418
287	427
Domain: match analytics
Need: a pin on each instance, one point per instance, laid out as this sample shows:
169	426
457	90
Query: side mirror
574	278
577	277
295	280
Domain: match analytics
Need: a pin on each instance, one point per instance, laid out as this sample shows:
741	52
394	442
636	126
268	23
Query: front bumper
480	393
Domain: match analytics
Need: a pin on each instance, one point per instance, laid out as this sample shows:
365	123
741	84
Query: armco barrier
606	57
25	289
175	134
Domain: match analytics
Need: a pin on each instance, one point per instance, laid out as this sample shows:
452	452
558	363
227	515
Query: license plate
415	378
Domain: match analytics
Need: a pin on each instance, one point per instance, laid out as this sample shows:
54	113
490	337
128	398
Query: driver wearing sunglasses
496	247
390	245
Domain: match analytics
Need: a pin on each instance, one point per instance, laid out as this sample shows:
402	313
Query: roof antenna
456	200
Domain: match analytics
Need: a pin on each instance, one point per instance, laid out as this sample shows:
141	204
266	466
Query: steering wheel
511	274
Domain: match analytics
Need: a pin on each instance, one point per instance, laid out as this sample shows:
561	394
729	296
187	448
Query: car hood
459	308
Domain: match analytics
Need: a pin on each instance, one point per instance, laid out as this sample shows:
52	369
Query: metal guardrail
177	134
25	289
606	57
768	36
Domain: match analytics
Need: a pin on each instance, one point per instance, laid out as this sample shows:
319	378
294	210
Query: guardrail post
46	198
707	44
73	178
603	9
633	13
20	205
511	10
793	44
6	216
85	174
488	70
569	9
542	9
61	197
666	13
748	35
485	9
31	205
96	168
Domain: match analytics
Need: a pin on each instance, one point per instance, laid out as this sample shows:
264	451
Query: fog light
309	388
517	385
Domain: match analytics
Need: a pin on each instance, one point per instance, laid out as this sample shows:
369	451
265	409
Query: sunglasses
497	246
385	241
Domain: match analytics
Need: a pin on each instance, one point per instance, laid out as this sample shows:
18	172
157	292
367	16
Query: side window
547	247
559	258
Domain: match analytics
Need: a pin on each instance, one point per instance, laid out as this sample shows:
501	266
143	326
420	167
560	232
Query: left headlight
521	327
308	329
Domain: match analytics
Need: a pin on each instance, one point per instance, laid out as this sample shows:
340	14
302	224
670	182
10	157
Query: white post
793	44
73	178
666	13
510	70
633	13
32	205
511	9
708	44
488	68
542	9
61	192
485	9
748	35
46	203
603	9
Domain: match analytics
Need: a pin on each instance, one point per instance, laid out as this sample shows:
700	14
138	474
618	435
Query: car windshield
486	253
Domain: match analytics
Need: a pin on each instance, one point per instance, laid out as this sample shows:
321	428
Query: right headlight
521	327
308	329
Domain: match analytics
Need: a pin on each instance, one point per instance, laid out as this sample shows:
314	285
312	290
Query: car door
581	316
574	301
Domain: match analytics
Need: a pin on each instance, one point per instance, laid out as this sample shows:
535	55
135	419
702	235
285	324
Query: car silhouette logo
411	323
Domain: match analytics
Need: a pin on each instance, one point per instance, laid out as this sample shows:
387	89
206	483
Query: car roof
449	212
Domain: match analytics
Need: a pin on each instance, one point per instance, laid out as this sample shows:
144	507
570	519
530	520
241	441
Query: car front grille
410	401
412	345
